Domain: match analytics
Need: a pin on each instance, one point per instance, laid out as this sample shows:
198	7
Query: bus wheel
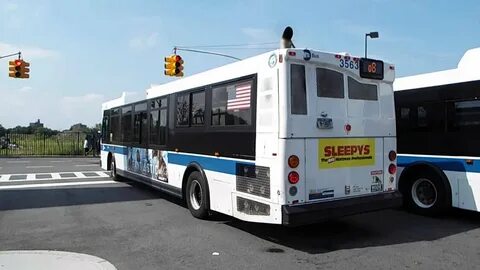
426	194
113	171
197	195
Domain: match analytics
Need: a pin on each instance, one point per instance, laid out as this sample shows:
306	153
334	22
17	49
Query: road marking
36	167
53	176
58	184
87	165
19	161
59	161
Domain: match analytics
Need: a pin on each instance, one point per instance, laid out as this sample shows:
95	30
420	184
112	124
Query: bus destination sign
371	69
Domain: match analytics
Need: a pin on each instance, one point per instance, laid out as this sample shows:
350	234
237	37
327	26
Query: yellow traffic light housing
174	65
19	69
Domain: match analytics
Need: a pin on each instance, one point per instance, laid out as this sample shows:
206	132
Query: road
135	227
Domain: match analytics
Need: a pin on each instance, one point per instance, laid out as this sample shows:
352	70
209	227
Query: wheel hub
424	193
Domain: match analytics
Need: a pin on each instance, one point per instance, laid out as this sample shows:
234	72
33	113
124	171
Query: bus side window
183	109
158	121
127	123
232	104
464	115
298	89
198	108
115	128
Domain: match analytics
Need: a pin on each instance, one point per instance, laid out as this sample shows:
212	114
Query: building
37	124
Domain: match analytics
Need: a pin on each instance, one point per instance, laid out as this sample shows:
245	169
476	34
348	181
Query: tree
2	131
80	128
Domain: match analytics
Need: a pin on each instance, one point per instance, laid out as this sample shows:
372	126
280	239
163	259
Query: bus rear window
298	89
358	90
329	83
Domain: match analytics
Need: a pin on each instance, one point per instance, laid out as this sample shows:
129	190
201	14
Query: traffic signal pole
205	52
18	53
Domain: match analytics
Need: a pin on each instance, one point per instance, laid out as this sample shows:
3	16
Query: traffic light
173	65
19	69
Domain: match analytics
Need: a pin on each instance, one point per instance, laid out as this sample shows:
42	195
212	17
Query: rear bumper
311	213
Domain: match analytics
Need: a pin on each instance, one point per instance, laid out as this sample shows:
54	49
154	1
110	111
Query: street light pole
371	35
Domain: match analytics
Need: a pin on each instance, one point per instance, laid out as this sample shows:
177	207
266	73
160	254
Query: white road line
54	176
104	174
87	165
18	161
59	161
57	184
79	175
36	167
59	172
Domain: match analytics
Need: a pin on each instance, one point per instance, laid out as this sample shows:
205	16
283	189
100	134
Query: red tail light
293	177
392	155
392	169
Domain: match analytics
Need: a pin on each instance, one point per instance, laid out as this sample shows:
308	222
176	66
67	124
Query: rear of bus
337	136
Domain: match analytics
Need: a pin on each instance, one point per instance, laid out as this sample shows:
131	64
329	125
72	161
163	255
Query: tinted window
106	127
154	127
231	104
464	115
358	90
329	83
158	121
183	109
198	108
141	107
115	129
127	123
140	123
158	103
298	89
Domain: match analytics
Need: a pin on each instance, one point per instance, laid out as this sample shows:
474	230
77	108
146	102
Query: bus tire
425	193
197	195
113	171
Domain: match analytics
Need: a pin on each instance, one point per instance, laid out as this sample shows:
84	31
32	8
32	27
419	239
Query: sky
83	53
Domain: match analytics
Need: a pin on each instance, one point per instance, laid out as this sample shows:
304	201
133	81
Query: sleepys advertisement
352	152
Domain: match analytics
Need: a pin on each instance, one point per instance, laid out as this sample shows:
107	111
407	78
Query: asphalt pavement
135	227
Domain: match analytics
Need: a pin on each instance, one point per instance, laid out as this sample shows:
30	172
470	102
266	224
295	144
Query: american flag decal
240	98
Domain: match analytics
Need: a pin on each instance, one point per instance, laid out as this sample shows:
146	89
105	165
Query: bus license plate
324	123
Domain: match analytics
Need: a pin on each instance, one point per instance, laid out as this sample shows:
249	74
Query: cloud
259	34
28	52
144	42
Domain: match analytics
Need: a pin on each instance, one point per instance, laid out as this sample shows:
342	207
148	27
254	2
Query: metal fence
66	143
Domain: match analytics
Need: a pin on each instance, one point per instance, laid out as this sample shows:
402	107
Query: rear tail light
293	161
292	53
392	169
392	155
293	177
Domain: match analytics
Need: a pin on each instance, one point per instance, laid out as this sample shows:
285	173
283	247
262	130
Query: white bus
289	137
438	129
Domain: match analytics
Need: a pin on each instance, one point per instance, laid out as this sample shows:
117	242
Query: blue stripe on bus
117	149
446	164
207	163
